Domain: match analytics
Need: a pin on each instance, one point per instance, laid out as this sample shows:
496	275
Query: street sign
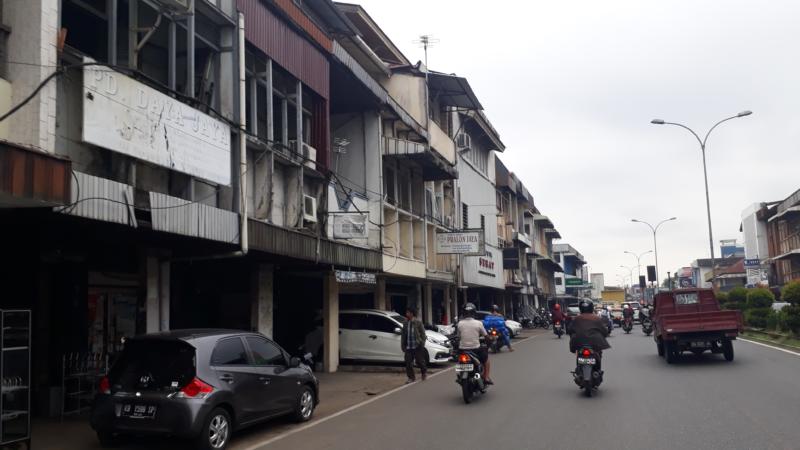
573	282
465	242
755	262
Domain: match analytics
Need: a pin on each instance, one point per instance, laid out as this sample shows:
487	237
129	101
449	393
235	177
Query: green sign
573	282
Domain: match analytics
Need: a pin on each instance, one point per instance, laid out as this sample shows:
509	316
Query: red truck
691	320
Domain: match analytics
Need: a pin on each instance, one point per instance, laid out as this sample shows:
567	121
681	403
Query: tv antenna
425	41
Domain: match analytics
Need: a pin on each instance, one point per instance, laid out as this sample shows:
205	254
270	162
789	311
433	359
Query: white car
514	327
374	335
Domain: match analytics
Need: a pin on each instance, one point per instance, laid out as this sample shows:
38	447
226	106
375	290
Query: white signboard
349	226
347	276
126	116
467	242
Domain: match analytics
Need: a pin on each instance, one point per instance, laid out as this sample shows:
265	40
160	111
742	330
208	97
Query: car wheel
216	431
305	405
108	439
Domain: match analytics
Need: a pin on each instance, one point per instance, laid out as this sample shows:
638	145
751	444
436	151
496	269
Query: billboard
465	242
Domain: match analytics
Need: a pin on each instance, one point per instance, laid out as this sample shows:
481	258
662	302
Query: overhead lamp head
657	121
744	113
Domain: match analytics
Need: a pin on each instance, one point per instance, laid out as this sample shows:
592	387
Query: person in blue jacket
498	322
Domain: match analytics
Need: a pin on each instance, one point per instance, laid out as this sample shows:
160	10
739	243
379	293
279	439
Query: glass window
558	281
265	353
381	324
229	352
686	299
352	321
155	365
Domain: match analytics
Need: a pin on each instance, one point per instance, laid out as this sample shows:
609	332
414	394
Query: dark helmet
495	308
586	306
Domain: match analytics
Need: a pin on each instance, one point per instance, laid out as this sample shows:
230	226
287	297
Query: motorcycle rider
627	313
498	322
558	316
588	330
606	315
470	331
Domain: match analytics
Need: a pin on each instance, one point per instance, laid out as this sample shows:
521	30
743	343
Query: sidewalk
337	392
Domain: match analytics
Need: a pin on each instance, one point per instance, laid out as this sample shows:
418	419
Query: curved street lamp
655	244
705	173
638	259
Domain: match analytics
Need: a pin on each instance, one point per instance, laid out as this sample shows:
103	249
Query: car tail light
463	358
586	353
196	388
105	386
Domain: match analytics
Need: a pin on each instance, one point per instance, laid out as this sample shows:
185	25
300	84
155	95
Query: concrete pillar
418	299
157	298
454	298
380	293
330	320
262	299
447	306
427	304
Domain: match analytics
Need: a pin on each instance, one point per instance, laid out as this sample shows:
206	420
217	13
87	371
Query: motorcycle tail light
494	332
105	386
586	353
463	358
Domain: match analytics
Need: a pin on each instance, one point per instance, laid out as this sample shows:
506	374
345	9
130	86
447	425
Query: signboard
755	262
347	276
511	258
128	117
349	226
573	282
466	242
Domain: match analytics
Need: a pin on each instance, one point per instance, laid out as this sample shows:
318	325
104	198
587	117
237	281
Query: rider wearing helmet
558	315
498	322
588	330
627	313
470	331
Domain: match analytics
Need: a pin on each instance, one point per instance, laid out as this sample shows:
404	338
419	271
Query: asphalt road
698	403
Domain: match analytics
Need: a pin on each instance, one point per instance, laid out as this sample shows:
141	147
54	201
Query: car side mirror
294	362
398	331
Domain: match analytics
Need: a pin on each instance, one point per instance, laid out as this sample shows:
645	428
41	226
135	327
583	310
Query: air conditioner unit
309	209
463	141
177	6
309	154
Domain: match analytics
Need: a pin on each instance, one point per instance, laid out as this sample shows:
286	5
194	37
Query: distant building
598	284
613	294
729	248
756	244
571	280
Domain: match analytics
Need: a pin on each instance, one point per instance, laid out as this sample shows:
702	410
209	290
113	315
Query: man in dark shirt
588	330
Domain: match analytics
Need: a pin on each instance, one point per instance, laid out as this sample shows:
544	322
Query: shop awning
548	263
789	210
452	90
787	255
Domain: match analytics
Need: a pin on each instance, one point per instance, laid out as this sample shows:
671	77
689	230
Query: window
265	353
352	321
381	324
686	299
483	222
229	352
559	281
464	216
389	188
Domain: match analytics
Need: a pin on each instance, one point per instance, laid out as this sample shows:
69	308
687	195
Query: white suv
374	335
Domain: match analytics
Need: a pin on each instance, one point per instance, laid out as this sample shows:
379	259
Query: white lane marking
273	439
770	346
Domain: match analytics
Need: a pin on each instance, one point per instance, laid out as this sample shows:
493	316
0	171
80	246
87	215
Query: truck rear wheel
669	352
660	345
727	349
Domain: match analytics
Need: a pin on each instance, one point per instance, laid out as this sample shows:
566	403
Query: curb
769	342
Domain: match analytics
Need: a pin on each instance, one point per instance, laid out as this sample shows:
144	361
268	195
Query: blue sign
752	262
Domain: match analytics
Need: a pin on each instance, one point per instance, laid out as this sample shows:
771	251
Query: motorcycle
558	329
627	325
493	340
469	374
586	374
647	326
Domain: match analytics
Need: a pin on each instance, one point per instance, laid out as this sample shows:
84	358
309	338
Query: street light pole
630	273
638	258
655	243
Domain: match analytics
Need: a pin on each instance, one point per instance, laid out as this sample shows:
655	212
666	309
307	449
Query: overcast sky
572	86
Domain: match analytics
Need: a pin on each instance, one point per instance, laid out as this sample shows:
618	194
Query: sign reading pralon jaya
126	116
466	242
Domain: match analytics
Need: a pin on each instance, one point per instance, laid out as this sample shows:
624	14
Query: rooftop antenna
427	40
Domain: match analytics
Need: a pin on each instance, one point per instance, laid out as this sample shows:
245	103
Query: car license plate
464	367
585	361
138	411
698	344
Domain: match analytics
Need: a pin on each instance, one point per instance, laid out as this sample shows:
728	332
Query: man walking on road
412	339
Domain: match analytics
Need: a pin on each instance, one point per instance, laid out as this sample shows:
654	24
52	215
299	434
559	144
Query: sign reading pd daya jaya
466	242
126	116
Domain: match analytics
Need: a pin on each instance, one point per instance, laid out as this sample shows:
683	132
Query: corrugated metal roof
286	47
101	199
176	215
452	90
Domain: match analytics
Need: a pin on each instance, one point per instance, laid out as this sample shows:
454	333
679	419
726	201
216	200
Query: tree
759	298
791	293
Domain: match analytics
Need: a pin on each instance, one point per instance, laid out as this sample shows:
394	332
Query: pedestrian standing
412	340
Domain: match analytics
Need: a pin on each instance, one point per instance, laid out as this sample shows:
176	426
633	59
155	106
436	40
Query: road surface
708	403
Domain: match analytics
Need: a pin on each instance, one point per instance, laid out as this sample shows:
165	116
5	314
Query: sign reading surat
126	116
467	242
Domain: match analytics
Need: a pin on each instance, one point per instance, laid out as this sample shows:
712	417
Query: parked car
200	384
514	327
374	335
573	310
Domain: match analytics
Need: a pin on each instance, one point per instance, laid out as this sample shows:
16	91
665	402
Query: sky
572	86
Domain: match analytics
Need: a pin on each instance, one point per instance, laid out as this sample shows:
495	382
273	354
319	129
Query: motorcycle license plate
587	361
464	367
